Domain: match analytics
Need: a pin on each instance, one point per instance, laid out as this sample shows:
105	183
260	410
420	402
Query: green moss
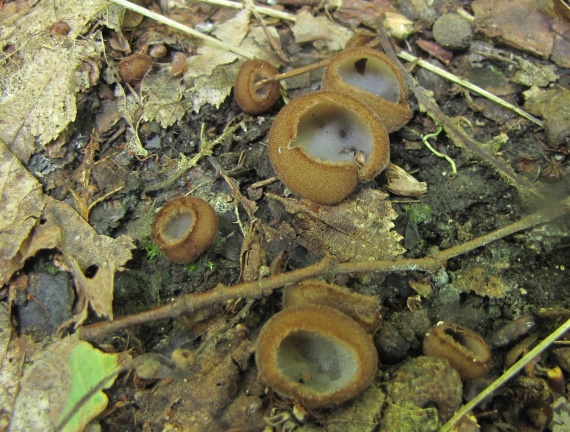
48	268
418	213
150	248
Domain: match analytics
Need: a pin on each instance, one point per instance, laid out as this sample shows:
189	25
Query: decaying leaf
215	88
358	229
209	57
47	70
321	31
22	204
56	380
11	363
162	95
516	24
399	182
483	281
200	398
83	249
553	105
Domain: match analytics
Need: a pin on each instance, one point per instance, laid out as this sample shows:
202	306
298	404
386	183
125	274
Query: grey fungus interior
372	75
316	355
333	133
322	144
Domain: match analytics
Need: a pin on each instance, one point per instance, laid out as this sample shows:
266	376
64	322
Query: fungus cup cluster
318	350
322	144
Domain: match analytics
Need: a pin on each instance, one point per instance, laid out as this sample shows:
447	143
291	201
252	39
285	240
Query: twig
274	44
261	9
454	131
190	303
171	23
454	78
507	375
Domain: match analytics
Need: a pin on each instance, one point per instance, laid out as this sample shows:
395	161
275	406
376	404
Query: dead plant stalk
190	303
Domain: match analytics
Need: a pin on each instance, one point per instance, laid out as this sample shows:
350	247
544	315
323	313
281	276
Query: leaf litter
361	228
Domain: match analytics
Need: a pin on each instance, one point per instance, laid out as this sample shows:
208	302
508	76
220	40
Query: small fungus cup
316	355
371	77
465	350
184	228
250	98
322	144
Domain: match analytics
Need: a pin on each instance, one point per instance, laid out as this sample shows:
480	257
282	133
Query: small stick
189	303
261	9
170	22
453	78
292	73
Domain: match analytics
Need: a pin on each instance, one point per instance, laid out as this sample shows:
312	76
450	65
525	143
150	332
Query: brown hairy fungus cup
371	77
324	143
249	97
465	350
184	228
316	355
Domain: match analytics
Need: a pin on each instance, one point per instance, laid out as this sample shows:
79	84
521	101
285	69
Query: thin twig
171	23
190	303
261	9
451	126
454	78
507	375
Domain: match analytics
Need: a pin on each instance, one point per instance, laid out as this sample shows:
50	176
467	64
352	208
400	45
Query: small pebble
452	31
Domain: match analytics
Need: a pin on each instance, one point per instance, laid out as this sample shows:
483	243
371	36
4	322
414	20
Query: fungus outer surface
361	308
316	355
184	228
256	100
465	350
323	143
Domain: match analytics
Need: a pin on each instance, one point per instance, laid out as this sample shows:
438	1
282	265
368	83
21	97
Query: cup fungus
315	355
249	97
465	350
184	228
362	308
323	143
371	77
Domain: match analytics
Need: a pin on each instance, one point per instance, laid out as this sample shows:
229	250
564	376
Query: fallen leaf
11	364
209	57
516	24
55	380
162	95
22	204
308	28
358	229
553	105
42	77
83	249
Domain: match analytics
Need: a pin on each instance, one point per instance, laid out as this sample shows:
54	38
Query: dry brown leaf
356	12
358	229
22	204
482	281
516	24
11	363
204	393
162	95
46	71
82	249
210	57
553	105
321	31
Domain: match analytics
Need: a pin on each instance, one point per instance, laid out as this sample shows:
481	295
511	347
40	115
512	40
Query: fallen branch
190	303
